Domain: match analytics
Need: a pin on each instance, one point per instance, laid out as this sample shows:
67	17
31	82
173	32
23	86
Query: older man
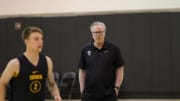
101	67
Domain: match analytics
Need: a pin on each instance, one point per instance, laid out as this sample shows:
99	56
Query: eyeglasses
98	32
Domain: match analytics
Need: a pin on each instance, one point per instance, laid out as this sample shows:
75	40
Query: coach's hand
116	91
57	98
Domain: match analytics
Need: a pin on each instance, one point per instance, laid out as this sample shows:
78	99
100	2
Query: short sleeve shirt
100	66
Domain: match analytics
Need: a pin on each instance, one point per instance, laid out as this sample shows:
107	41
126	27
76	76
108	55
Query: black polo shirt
100	66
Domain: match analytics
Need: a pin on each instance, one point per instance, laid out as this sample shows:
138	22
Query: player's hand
57	98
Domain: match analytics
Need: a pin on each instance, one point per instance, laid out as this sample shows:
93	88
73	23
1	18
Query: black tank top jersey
29	85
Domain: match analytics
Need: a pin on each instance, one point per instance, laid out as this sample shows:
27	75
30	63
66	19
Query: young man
29	72
101	67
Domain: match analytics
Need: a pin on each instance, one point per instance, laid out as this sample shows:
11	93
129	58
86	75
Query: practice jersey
29	85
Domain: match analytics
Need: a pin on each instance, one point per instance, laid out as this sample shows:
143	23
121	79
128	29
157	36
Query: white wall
77	7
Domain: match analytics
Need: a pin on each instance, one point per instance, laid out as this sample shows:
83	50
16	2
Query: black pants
110	98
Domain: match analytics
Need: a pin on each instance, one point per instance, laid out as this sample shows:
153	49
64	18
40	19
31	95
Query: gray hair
95	23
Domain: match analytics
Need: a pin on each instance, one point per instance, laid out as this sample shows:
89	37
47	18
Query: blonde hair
28	30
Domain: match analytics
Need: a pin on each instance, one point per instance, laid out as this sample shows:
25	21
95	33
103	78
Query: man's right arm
82	76
10	70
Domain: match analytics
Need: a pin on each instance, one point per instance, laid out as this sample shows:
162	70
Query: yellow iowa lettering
36	77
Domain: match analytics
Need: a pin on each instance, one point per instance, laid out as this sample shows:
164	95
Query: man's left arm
119	78
51	84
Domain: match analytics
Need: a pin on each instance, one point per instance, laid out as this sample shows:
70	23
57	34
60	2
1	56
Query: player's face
98	33
34	42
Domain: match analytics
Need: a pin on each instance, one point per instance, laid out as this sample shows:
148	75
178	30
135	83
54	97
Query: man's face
98	33
34	42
